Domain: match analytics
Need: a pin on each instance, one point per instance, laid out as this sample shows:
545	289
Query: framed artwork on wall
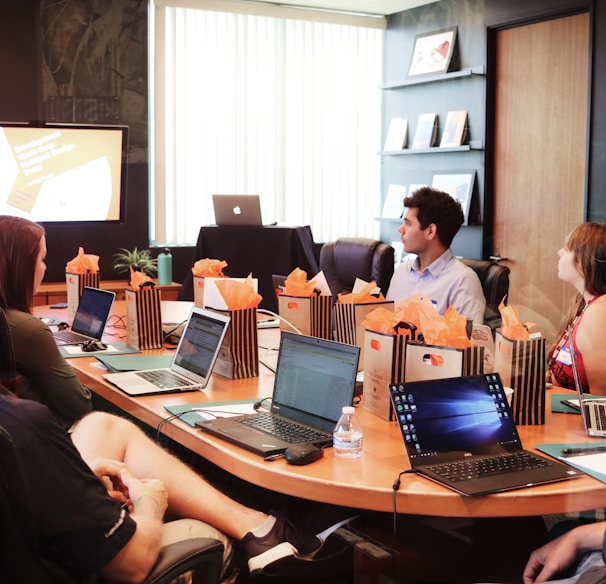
433	52
458	184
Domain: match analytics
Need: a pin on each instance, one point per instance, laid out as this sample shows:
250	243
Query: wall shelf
473	145
469	72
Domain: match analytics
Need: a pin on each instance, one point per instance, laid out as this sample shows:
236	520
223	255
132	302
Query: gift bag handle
408	326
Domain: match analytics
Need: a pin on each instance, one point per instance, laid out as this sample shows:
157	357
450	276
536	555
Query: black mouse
92	346
302	454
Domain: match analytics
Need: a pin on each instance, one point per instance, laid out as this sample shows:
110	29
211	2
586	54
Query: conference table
364	483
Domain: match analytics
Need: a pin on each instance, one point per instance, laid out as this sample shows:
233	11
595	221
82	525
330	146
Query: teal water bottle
165	267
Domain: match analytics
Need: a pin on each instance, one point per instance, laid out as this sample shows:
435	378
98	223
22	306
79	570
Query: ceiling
381	7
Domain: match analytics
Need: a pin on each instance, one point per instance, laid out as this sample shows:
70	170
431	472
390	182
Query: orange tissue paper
512	327
384	321
83	263
362	296
208	268
296	284
138	279
238	295
448	330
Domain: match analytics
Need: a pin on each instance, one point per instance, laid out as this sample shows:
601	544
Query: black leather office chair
21	561
348	258
494	278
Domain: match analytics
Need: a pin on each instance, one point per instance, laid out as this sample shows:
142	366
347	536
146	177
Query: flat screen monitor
63	172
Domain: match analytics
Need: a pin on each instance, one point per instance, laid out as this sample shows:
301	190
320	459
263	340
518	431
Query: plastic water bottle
165	267
347	437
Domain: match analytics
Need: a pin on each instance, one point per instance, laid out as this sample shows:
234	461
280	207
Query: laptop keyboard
474	468
286	430
600	415
165	379
69	337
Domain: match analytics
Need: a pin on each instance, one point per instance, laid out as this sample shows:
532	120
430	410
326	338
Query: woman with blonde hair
582	263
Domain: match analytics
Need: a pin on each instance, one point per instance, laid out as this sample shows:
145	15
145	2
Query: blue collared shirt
447	282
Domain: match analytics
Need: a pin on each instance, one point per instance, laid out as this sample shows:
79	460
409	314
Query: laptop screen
93	310
460	414
200	342
315	378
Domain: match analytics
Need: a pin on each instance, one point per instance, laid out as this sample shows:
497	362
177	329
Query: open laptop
192	362
237	210
451	426
593	408
315	378
90	318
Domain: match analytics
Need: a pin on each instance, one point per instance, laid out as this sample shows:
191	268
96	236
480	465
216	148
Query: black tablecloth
262	251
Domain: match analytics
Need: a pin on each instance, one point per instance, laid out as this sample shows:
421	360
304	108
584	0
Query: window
284	108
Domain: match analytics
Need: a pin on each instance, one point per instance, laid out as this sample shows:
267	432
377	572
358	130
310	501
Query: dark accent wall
31	69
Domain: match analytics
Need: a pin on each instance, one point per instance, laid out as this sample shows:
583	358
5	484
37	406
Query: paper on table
588	462
191	413
211	412
76	350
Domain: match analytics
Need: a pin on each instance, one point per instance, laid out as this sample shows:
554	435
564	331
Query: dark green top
43	374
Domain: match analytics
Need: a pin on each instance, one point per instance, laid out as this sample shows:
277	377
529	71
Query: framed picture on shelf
433	52
458	184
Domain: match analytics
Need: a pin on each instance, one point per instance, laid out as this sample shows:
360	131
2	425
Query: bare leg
101	435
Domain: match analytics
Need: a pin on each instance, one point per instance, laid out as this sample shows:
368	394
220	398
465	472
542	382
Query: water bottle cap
349	410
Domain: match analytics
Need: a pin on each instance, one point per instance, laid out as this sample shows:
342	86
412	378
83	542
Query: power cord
395	488
281	319
173	336
259	404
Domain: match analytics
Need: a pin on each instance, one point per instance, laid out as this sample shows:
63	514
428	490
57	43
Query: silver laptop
459	432
315	378
237	210
593	408
192	363
90	318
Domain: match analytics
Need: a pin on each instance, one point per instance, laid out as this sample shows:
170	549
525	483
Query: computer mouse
302	454
92	346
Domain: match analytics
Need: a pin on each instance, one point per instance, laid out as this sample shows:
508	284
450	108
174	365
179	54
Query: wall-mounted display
426	133
458	184
397	134
433	52
455	129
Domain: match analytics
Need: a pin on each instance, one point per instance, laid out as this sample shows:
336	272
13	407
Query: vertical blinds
283	108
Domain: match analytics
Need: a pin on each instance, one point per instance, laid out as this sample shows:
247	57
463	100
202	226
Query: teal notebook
559	407
555	451
185	413
116	363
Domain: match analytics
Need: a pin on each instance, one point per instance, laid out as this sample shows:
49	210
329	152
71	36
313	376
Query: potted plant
140	260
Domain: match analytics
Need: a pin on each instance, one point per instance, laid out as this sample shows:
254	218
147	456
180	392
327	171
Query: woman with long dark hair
42	373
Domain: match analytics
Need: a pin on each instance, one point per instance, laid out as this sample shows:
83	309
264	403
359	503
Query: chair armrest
203	554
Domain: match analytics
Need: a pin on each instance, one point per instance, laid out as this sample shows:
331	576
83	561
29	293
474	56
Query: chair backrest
494	278
348	258
23	562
